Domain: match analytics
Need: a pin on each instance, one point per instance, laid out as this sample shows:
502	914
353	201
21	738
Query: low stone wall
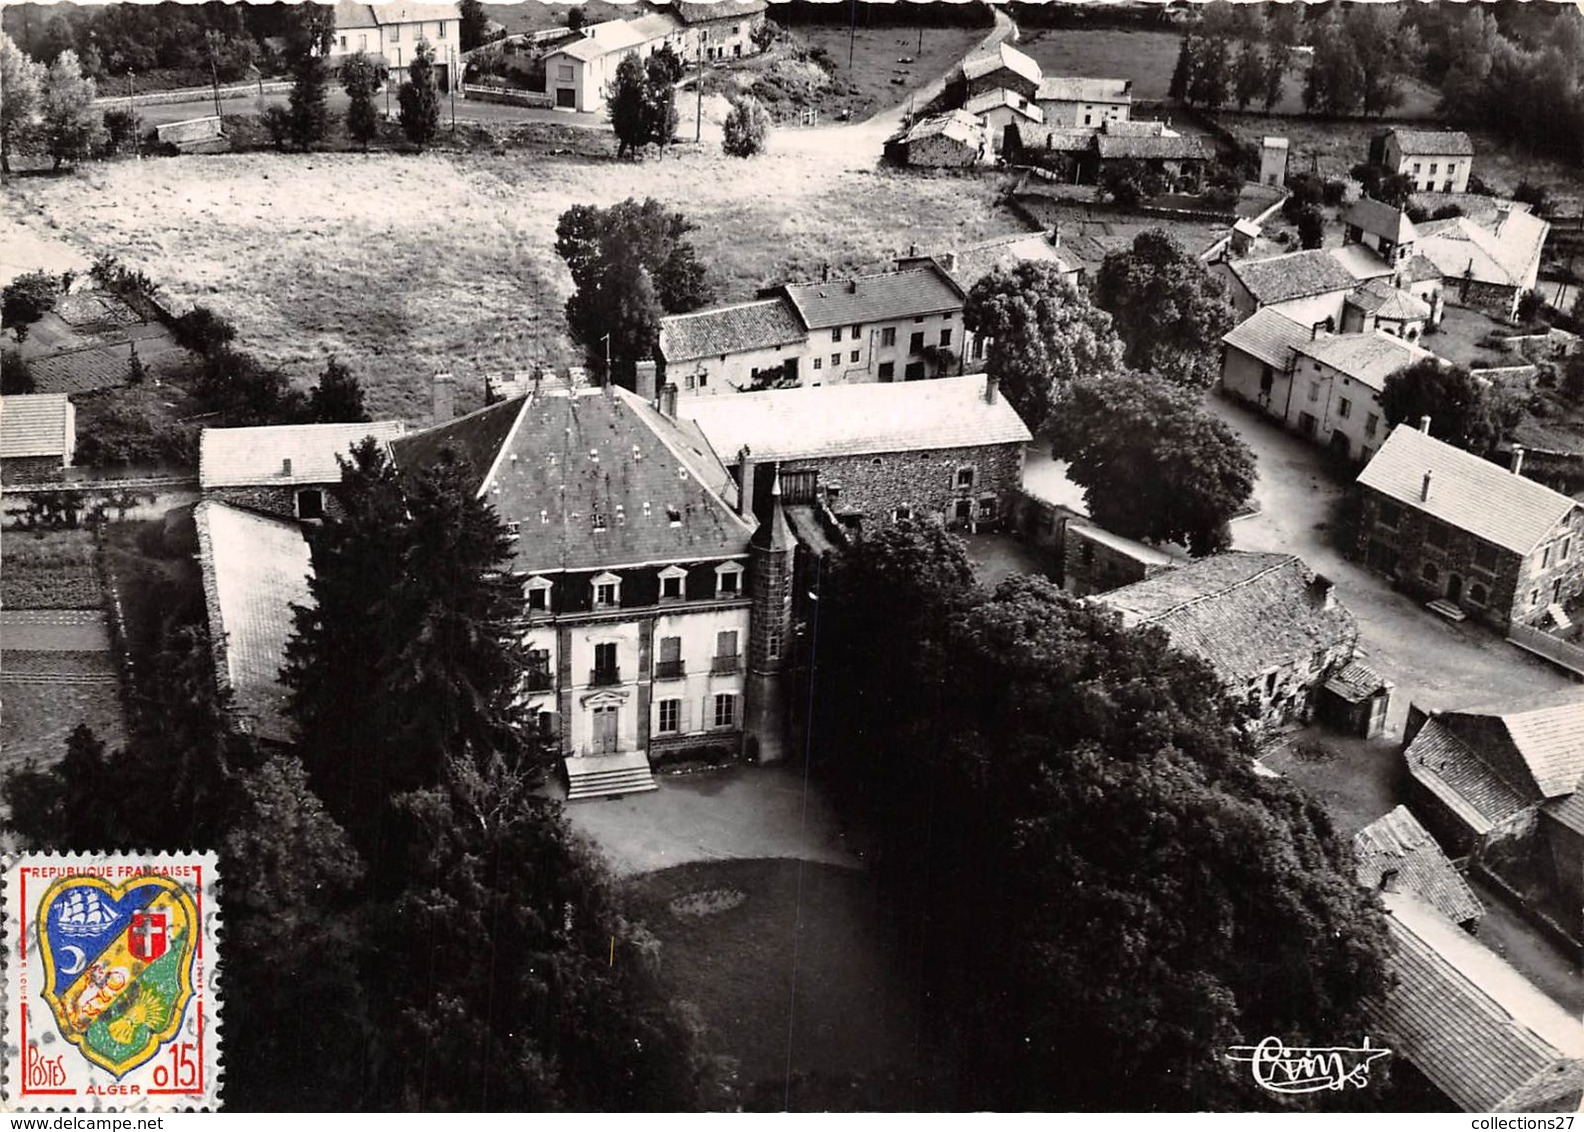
191	94
507	96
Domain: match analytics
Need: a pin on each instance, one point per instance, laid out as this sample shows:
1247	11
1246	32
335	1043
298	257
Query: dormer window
673	583
513	530
537	591
728	579
607	591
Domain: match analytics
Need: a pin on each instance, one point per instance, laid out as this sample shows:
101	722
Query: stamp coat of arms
110	965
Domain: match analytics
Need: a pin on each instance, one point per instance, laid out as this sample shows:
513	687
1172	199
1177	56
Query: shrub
1537	197
277	120
131	433
202	331
120	128
1447	212
16	376
28	298
1529	306
746	128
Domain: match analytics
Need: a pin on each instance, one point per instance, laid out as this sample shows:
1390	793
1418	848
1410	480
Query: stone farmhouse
288	471
1095	561
954	140
1490	261
1449	526
723	29
1002	67
1309	287
951	450
38	435
1005	115
1084	103
1272	629
392	31
1434	160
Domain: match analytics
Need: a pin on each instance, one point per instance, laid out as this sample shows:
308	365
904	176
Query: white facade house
1434	160
392	31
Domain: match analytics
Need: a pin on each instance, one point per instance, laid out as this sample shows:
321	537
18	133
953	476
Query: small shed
955	140
1355	701
38	434
1273	162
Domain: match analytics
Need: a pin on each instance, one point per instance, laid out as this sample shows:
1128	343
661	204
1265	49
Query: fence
1554	649
508	96
192	94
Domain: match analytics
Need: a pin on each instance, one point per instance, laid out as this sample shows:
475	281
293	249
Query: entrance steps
607	776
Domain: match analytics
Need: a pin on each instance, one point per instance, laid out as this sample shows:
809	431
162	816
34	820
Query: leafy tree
1130	181
746	128
1386	50
1311	227
666	65
362	78
22	79
409	581
661	71
246	393
16	375
1168	308
1284	29
576	18
1045	334
1182	80
625	103
1335	82
120	129
71	126
1212	73
28	298
474	24
203	331
338	397
1537	197
1152	462
420	99
310	31
1248	74
1463	410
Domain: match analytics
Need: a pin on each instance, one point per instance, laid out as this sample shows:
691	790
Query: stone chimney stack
949	262
644	385
444	405
286	466
992	389
1424	424
1424	492
1517	459
745	480
668	400
1323	591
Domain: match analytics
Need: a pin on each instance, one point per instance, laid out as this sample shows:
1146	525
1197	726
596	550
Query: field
532	15
404	266
49	570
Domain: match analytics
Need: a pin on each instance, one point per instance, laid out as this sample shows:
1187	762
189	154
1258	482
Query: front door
1454	587
605	730
566	98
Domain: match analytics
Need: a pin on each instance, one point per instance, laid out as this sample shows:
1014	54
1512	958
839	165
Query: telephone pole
698	114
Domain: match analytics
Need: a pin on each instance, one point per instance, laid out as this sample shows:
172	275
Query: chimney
444	397
852	286
1055	236
286	466
1424	424
745	481
1517	459
1424	492
949	262
668	400
825	272
913	251
644	385
1322	591
991	389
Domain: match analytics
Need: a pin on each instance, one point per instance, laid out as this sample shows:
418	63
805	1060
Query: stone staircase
607	776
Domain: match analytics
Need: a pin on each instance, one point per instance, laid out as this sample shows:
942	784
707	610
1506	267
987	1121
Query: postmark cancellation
110	964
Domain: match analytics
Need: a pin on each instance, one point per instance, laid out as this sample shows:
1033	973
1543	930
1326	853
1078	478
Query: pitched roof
1296	275
972	262
1060	89
1070	139
589	48
1356	682
1503	252
1397	850
702	11
1141	552
1466	492
717	331
995	99
921	289
983	63
35	424
255	568
1361	261
864	419
1243	613
1545	733
1165	147
1448	768
1267	335
591	475
958	125
1417	269
1136	128
655	25
1569	811
1367	358
1480	1031
1434	143
1380	298
282	454
1380	219
349	15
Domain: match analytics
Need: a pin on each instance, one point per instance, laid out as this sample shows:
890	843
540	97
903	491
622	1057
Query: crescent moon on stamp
78	960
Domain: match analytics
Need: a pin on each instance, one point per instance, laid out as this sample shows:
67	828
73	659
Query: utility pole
214	77
698	114
852	32
607	360
137	139
451	80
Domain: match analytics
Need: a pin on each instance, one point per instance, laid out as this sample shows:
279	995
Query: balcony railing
605	676
539	680
725	665
670	669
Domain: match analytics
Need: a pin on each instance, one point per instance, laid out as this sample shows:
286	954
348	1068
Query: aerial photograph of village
726	555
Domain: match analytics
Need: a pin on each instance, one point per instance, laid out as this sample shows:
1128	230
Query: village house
392	32
577	72
1377	305
1270	628
1337	382
1007	117
255	568
1176	156
1451	527
1466	1022
289	471
1095	561
38	435
656	605
1002	67
1394	853
1308	287
1084	103
722	29
1433	160
1488	263
949	450
731	348
954	140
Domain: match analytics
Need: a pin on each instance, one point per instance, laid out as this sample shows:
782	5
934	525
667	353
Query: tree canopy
310	30
361	78
420	98
1168	308
1152	462
338	397
1084	869
1045	334
1463	410
70	124
641	102
22	79
747	127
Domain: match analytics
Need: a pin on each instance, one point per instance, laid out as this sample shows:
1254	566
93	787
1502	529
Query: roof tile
1397	846
1296	275
920	290
283	454
717	331
35	424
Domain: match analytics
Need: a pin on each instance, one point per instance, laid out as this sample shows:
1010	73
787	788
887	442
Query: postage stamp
110	999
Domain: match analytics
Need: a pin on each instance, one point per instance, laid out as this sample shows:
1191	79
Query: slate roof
1502	252
1269	336
587	49
256	457
1546	734
1070	139
1380	298
1466	492
1062	89
254	568
1166	147
590	475
35	424
973	262
887	296
1141	552
1568	811
718	331
869	418
1397	844
1417	269
1367	358
348	15
1243	613
995	99
1356	682
1480	1031
693	12
1296	275
1448	768
1003	55
1434	143
1140	128
958	125
1361	262
1380	219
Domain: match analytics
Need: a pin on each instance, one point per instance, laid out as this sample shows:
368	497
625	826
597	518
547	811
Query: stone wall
875	486
1292	695
26	469
1090	566
280	501
1491	298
